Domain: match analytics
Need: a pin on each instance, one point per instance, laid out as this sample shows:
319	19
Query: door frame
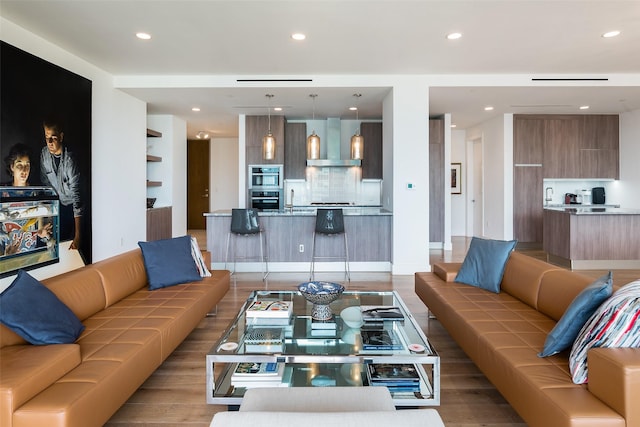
475	217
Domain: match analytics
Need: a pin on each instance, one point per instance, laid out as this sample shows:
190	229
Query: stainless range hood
333	148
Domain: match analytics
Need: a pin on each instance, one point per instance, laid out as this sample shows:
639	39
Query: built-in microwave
266	200
265	176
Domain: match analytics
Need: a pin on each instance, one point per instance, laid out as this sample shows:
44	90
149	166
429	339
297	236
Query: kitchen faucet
548	194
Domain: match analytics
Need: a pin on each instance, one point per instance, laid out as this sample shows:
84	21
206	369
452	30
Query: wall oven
266	200
265	187
265	176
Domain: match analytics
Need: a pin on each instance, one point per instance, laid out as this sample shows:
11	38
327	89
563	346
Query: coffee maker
597	196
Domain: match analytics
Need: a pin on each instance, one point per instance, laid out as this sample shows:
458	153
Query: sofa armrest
614	378
447	271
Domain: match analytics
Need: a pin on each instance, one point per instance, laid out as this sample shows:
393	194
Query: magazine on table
380	313
260	371
380	339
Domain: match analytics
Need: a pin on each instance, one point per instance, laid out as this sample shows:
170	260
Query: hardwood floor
175	394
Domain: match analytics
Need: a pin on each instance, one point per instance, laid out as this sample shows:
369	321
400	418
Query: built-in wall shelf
154	183
151	158
153	133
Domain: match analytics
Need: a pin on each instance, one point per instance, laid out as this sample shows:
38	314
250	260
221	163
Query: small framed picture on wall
456	178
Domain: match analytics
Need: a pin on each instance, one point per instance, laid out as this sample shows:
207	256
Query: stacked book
380	339
264	374
397	377
264	340
269	312
378	314
323	328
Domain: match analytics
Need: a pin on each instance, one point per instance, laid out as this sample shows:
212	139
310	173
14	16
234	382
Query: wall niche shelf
154	183
151	158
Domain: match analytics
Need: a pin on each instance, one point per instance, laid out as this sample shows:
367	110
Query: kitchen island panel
594	238
369	239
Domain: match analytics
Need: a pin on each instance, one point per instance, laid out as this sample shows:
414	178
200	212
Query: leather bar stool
330	223
246	223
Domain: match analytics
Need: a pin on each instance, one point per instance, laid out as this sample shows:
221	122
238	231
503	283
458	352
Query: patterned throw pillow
616	323
201	265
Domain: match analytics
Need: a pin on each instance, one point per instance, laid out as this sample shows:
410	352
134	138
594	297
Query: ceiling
251	40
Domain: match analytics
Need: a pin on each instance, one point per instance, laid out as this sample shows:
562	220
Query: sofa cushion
196	253
581	308
483	266
616	323
35	313
169	262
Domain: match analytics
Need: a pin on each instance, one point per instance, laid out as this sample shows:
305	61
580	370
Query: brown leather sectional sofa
503	333
129	332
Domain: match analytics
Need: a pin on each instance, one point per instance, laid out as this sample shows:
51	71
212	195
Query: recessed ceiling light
196	109
353	108
488	108
298	36
453	125
454	36
584	107
610	34
277	108
143	36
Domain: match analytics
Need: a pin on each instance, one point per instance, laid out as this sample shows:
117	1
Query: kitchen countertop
594	210
311	211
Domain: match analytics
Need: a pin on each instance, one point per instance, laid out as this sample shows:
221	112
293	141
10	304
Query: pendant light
313	141
268	141
357	141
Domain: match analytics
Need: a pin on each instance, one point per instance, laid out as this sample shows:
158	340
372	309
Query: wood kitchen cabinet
372	161
528	157
295	150
561	147
599	147
436	180
256	128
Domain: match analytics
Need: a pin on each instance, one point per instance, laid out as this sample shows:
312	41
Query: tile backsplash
333	185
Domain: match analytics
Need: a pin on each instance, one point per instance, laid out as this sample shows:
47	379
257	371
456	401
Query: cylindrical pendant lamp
268	141
313	141
357	141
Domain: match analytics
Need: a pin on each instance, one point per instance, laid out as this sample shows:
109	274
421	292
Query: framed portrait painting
456	178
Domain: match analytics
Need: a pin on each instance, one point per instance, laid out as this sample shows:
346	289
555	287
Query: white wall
496	155
224	169
118	155
627	190
410	155
458	201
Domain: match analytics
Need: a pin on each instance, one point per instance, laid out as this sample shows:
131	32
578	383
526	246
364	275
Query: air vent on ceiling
272	80
570	79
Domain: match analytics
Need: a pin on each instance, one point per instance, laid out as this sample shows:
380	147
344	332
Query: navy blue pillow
483	266
35	313
579	311
169	262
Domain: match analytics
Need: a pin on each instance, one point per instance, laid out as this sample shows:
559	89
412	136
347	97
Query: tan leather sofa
503	333
129	332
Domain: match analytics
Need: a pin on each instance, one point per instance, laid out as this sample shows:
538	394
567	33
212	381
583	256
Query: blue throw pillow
169	262
579	311
483	266
35	313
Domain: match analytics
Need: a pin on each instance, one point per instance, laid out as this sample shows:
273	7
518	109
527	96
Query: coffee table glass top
325	353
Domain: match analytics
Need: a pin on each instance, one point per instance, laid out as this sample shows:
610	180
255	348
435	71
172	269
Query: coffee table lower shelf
223	392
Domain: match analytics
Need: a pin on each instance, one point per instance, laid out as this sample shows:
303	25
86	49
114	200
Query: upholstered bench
324	407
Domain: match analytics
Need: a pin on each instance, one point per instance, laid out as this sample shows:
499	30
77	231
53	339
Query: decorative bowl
352	317
321	294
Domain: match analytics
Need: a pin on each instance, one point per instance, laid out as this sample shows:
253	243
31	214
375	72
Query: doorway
477	192
197	183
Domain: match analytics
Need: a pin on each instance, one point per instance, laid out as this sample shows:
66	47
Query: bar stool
245	223
330	223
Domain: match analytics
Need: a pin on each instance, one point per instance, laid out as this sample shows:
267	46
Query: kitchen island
592	237
289	237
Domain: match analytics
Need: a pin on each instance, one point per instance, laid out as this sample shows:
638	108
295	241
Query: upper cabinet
568	146
295	150
256	128
599	147
372	161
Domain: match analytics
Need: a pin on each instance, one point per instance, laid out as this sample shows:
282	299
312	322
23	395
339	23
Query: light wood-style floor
175	394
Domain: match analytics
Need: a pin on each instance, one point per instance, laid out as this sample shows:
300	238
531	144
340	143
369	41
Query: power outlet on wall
301	248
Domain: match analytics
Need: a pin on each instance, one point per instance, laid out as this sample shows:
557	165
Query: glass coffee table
389	350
